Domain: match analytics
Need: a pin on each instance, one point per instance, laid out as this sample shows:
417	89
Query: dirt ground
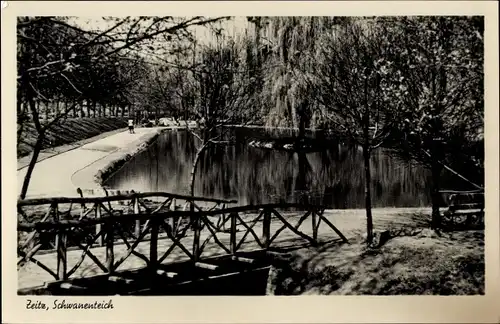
416	261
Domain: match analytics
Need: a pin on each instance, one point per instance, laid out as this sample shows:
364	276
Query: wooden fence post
82	206
233	232
110	256
197	232
153	243
137	210
266	228
98	226
173	220
222	223
61	249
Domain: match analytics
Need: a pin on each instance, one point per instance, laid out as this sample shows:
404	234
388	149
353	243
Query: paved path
61	174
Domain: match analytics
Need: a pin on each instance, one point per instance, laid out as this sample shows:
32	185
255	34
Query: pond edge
125	155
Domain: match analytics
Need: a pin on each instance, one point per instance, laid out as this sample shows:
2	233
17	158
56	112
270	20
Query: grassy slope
419	264
72	130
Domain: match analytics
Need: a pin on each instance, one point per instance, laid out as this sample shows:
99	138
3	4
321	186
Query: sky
230	28
233	27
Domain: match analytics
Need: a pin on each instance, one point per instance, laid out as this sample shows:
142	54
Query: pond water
251	175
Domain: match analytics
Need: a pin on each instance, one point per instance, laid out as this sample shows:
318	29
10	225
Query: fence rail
99	223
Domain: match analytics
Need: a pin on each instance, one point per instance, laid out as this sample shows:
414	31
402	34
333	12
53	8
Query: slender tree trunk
36	149
368	199
301	184
123	111
82	114
197	221
87	103
195	166
366	159
436	196
31	166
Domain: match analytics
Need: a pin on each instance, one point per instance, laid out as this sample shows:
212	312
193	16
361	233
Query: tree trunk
31	166
302	128
82	114
195	165
301	185
436	196
87	103
123	111
197	221
368	200
38	145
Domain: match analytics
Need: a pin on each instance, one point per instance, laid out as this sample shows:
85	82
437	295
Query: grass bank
71	131
418	262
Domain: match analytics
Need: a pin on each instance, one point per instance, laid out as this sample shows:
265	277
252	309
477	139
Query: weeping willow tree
283	86
288	45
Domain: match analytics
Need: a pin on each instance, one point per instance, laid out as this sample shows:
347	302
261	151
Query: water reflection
333	177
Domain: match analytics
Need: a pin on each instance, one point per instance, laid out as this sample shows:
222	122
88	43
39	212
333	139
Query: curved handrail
23	226
80	200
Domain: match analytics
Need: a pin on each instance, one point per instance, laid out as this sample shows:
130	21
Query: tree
346	80
224	95
291	41
434	75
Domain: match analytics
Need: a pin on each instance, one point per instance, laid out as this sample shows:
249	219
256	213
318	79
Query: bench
465	208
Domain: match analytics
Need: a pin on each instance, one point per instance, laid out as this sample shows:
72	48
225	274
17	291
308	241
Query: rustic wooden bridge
157	241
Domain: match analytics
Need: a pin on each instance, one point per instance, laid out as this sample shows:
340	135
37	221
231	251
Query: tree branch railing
157	230
85	208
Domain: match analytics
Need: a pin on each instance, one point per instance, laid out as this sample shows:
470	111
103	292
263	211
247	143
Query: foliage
61	60
435	78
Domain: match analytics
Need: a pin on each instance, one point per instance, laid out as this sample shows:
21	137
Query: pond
333	177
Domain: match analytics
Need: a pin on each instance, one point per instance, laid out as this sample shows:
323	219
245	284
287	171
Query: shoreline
94	175
85	164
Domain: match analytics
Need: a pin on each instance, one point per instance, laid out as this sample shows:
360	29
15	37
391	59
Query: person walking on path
131	126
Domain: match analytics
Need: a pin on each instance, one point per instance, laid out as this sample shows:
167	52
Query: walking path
62	174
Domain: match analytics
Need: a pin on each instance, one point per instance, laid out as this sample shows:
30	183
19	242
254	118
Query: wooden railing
109	226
